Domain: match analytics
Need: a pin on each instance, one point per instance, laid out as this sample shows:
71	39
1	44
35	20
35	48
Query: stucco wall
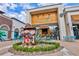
16	24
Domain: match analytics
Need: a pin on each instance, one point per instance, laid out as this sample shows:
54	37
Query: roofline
45	6
18	20
9	18
72	8
2	12
21	21
6	17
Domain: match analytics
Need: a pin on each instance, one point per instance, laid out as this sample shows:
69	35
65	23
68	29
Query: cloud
26	6
12	14
12	6
3	8
22	16
45	4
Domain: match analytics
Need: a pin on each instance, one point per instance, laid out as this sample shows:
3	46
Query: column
70	27
28	17
61	23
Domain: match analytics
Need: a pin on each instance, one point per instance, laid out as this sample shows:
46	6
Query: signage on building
75	17
45	18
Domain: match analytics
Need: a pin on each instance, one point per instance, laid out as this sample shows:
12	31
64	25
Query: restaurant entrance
55	32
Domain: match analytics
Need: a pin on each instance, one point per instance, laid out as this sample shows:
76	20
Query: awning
43	27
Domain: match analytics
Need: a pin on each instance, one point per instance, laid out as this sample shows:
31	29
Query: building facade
72	21
48	15
16	27
5	26
57	16
10	26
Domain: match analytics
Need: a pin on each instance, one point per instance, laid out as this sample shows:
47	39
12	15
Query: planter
38	49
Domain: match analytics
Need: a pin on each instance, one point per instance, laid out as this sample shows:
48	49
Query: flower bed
40	46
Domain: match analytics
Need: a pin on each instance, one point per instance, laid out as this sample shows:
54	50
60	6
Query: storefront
72	21
50	16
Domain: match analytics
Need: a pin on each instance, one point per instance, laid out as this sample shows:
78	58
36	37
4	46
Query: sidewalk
4	47
73	47
70	49
5	43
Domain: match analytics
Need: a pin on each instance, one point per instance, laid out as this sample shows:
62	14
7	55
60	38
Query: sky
18	10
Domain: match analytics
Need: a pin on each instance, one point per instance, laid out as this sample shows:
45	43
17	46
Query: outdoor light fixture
62	14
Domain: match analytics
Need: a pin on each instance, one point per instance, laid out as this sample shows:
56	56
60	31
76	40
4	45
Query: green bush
49	47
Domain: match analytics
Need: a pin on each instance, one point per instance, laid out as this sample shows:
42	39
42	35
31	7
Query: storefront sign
45	18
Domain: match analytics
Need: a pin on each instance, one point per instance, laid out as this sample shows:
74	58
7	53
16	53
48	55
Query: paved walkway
5	43
70	49
4	46
73	47
63	52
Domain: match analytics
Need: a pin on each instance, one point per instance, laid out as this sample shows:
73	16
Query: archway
16	33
